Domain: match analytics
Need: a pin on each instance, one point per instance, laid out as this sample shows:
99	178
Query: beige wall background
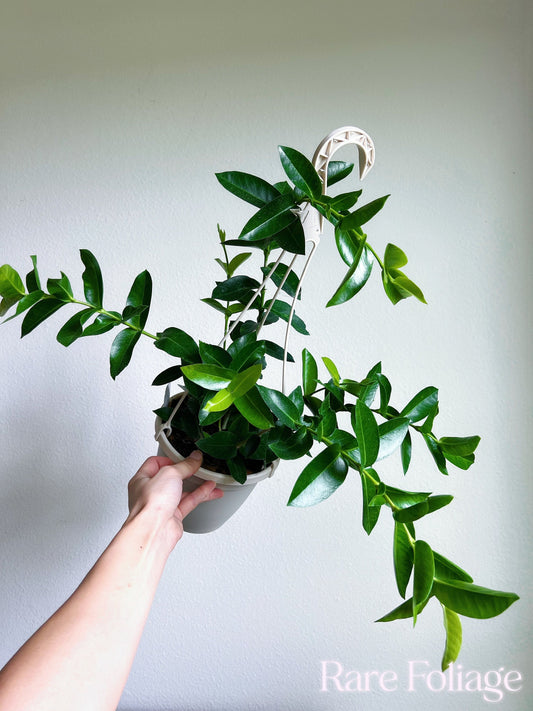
115	117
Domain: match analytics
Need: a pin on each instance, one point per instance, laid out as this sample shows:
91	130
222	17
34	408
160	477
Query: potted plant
337	425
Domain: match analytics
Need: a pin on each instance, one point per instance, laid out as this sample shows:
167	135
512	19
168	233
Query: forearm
80	658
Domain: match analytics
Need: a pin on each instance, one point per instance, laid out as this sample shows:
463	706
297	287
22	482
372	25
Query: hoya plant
338	424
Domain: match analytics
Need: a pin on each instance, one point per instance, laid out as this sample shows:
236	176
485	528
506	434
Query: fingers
189	466
205	492
151	466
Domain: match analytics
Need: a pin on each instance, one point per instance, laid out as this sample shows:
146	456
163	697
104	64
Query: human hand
157	490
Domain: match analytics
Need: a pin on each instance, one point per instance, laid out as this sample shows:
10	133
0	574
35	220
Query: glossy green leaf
39	312
454	637
385	389
22	305
252	406
459	446
272	349
424	571
402	612
73	328
215	355
301	171
406	450
290	238
332	369
309	372
11	285
177	343
394	257
403	557
269	220
282	309
405	499
168	375
237	469
446	570
349	244
338	170
345	201
355	219
366	431
413	513
140	295
370	386
33	281
320	478
421	404
209	376
354	279
236	288
283	275
391	435
248	187
283	408
221	445
297	397
436	453
240	384
472	600
121	350
93	284
248	355
294	446
370	512
60	288
101	324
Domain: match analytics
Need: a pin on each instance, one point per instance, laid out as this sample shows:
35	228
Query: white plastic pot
211	515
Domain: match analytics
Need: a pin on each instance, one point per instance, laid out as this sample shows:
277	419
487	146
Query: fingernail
196	455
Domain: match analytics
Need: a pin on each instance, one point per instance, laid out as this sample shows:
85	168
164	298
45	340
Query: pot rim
207	474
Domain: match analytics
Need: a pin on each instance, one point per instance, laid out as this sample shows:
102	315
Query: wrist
151	532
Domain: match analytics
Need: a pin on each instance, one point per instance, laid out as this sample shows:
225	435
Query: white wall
115	116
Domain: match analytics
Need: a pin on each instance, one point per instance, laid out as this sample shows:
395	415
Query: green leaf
290	238
248	187
309	372
270	219
370	511
454	637
472	600
403	557
168	375
300	170
221	445
280	273
385	389
22	305
355	278
122	349
406	452
101	324
424	571
236	262
338	170
60	288
394	258
236	288
320	478
345	201
436	453
332	369
214	354
11	288
237	469
355	219
397	286
370	385
366	431
239	386
413	513
421	404
282	309
93	285
251	353
391	435
39	312
446	570
349	245
208	376
272	349
402	612
459	446
252	406
282	407
140	295
73	328
177	343
405	499
293	446
33	282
